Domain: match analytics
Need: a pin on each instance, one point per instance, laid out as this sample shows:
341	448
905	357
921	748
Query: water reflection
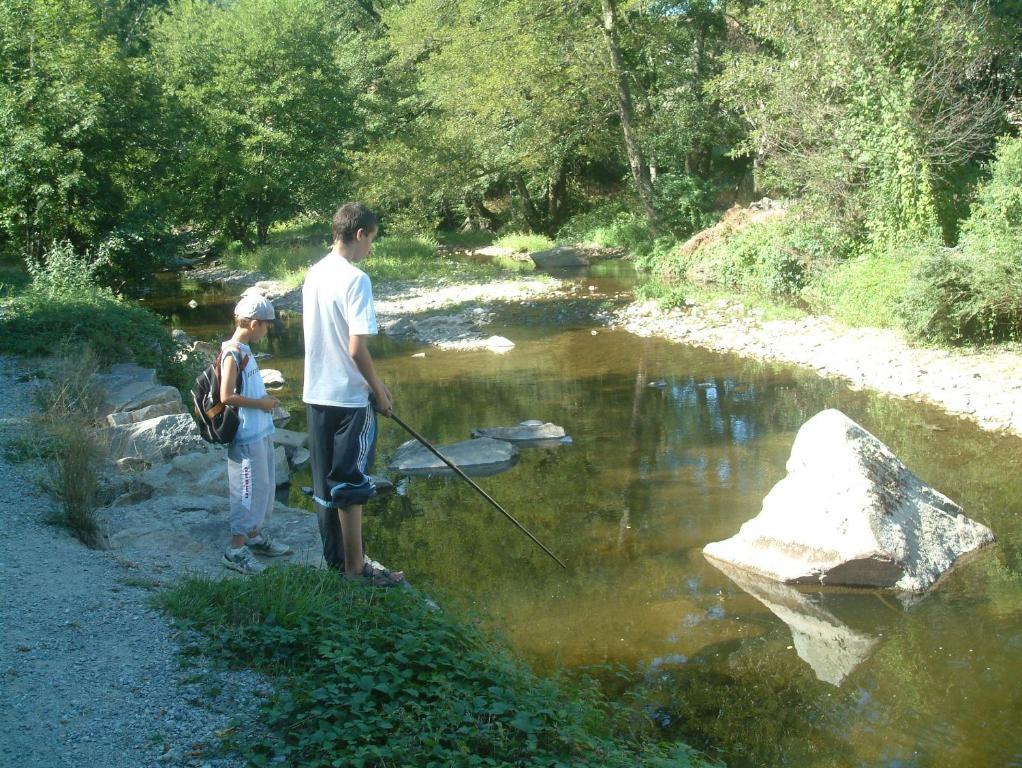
821	639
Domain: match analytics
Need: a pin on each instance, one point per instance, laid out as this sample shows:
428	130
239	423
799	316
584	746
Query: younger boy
250	468
338	317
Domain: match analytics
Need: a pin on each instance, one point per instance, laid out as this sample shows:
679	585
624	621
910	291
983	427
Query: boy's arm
358	348
228	377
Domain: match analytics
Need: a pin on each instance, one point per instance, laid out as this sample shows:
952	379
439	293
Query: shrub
867	290
757	258
370	677
683	203
69	406
64	306
974	293
667	295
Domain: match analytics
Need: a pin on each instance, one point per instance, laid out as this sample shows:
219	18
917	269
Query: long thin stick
425	443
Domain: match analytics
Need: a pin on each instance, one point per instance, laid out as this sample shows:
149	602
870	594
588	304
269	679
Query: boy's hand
269	403
383	402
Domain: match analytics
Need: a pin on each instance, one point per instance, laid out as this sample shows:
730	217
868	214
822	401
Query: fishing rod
457	470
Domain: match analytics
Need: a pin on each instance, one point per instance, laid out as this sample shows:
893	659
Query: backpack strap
242	363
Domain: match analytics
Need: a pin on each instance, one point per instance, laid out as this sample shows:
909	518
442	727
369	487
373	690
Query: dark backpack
218	423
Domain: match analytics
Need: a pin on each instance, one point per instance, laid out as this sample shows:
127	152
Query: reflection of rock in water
823	641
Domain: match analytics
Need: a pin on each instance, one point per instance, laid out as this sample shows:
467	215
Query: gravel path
89	671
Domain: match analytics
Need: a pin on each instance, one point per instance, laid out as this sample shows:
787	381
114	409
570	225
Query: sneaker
264	545
242	561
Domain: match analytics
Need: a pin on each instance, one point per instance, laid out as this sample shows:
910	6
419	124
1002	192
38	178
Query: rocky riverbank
983	386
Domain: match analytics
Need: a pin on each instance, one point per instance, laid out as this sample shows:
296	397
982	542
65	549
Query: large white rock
849	512
148	412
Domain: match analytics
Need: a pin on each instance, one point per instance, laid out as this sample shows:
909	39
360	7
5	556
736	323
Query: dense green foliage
377	678
64	307
129	128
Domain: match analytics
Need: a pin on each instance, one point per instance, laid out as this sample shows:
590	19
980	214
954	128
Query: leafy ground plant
368	677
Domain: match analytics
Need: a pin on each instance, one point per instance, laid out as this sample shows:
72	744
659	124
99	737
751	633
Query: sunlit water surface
755	673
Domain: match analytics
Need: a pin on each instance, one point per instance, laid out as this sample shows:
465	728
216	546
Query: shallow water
766	675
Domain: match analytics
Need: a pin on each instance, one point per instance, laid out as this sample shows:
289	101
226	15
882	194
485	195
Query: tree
864	106
265	112
499	97
76	127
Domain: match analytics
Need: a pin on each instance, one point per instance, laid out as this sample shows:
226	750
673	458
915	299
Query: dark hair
350	218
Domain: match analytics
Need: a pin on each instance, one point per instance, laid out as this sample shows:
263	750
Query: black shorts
342	446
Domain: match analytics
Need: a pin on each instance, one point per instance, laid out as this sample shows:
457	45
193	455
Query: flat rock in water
482	455
525	432
561	256
850	513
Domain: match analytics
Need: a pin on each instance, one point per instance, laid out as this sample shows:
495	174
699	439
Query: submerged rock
482	455
526	431
850	513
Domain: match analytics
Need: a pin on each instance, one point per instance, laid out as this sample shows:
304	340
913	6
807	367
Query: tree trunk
626	113
555	198
479	216
532	216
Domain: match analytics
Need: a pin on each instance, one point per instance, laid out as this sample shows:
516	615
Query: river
754	673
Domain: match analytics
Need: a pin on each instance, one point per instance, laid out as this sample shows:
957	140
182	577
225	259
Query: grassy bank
368	677
293	248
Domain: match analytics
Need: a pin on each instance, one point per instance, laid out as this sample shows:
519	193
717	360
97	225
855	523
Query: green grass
368	677
524	242
293	250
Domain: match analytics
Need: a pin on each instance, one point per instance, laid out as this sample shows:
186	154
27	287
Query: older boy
338	317
250	473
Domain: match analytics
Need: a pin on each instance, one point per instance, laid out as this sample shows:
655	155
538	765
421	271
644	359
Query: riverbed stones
157	439
560	256
482	455
526	431
148	412
850	513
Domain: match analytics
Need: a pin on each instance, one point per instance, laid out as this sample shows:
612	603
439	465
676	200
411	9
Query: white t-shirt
337	303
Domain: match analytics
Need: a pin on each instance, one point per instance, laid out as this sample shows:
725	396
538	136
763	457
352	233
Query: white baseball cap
255	307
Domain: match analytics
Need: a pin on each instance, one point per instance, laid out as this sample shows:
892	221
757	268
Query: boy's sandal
375	574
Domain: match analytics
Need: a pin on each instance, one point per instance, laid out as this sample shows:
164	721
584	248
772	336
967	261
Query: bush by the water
64	305
376	678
